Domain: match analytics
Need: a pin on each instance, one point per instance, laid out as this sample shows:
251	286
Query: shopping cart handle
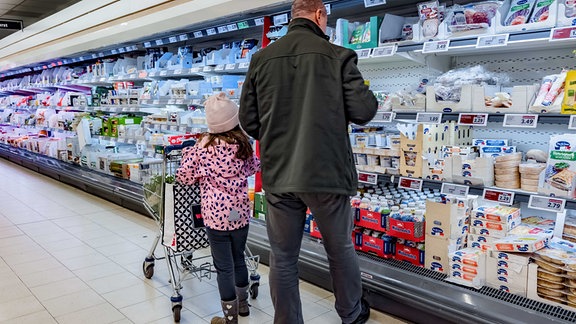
187	143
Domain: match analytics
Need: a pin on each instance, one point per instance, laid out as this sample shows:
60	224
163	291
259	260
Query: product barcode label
436	46
551	204
499	196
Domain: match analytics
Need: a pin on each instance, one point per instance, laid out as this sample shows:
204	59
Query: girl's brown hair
233	136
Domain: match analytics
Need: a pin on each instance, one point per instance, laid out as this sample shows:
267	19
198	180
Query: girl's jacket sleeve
251	166
188	173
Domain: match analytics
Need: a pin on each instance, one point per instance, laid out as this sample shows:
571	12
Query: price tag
328	9
173	39
180	101
410	183
473	119
164	73
280	19
174	128
384	117
222	29
492	40
369	178
152	74
436	46
429	118
133	109
572	123
562	33
112	139
130	141
243	25
232	27
219	67
207	69
125	109
552	204
183	37
454	189
499	196
385	51
211	31
94	56
372	3
147	44
121	50
244	65
364	53
196	102
132	76
121	140
156	102
177	71
517	120
198	34
194	70
182	129
113	109
171	101
159	42
230	67
102	79
114	51
259	21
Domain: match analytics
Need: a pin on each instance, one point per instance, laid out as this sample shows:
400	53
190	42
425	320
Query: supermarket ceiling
29	11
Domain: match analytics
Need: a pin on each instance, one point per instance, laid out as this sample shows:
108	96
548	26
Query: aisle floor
69	257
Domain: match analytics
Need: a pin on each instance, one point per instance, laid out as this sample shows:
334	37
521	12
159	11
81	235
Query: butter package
468	267
468	256
487	151
497	213
482	242
506	225
490	142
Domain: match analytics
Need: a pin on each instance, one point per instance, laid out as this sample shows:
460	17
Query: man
300	94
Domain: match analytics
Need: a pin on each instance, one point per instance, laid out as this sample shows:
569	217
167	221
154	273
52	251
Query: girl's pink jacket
223	183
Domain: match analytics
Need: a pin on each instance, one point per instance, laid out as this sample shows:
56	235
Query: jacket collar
298	23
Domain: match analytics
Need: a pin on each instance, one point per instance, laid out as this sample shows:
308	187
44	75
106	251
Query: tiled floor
69	257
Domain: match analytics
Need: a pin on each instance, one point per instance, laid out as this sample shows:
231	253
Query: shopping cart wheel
148	269
176	309
254	290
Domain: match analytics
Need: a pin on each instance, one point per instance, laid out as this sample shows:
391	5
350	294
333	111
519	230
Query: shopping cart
175	208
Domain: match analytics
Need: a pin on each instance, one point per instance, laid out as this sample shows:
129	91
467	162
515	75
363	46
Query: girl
221	161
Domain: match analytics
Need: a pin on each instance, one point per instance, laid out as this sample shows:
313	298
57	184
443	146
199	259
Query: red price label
410	184
563	33
369	178
473	119
502	197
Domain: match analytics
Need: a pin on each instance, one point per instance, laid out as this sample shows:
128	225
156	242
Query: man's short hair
305	7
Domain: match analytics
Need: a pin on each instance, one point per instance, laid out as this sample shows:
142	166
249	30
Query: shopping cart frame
181	264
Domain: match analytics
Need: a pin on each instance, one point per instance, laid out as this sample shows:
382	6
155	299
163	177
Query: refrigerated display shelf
119	191
418	294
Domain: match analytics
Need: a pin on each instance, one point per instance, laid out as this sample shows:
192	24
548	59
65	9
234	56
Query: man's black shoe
364	313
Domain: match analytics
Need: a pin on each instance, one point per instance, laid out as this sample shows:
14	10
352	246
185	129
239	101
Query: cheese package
467	267
482	242
468	256
489	142
560	174
487	151
497	213
521	243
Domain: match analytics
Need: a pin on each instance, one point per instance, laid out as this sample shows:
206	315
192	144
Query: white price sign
183	37
280	19
473	119
174	128
429	118
385	51
518	120
177	71
551	204
372	3
244	65
125	109
159	42
134	109
182	129
194	70
369	178
436	46
384	117
173	39
410	183
156	102
207	69
364	53
499	196
232	27
231	66
211	31
180	101
121	140
152	74
198	34
171	101
455	190
164	73
259	21
492	41
130	141
572	123
219	67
